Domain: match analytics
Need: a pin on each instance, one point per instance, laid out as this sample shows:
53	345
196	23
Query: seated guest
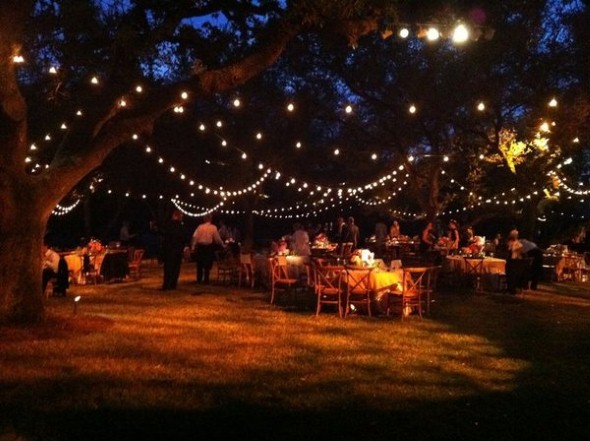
468	238
54	266
514	267
300	241
394	230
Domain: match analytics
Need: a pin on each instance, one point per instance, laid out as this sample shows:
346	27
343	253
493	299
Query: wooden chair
328	286
572	268
430	286
279	277
413	285
227	268
246	270
474	272
135	264
358	288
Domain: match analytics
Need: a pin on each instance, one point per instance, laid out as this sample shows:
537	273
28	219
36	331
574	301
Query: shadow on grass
487	417
550	399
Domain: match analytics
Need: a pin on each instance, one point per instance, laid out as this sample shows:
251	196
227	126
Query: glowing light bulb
148	149
432	34
460	34
202	127
553	103
259	135
184	95
481	106
138	89
336	152
348	109
374	156
237	102
404	32
298	145
94	80
53	70
290	107
219	123
18	59
412	109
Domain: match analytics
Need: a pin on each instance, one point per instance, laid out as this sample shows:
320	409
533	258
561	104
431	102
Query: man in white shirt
205	239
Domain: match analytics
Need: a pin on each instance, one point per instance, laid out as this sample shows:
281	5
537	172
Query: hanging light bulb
460	34
237	102
348	109
404	32
432	34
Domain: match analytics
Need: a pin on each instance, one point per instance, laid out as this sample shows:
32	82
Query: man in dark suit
174	240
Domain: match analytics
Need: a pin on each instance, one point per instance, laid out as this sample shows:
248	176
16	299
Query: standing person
225	232
380	238
172	250
352	233
427	238
339	230
532	251
453	235
205	238
125	236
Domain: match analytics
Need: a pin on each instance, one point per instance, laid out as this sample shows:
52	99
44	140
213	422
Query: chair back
138	255
414	280
358	279
346	249
279	268
328	278
473	266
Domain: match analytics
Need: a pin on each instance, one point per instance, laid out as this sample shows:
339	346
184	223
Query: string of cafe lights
123	102
60	210
561	180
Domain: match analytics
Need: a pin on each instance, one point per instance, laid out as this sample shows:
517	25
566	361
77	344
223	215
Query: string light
481	106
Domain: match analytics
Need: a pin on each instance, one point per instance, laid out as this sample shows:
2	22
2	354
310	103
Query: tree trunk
21	243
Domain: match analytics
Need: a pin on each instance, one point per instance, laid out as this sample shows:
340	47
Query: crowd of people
172	242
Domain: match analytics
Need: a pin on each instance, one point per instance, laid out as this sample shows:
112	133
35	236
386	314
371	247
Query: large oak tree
166	46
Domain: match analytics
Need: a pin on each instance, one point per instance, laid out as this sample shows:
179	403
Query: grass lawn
134	362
